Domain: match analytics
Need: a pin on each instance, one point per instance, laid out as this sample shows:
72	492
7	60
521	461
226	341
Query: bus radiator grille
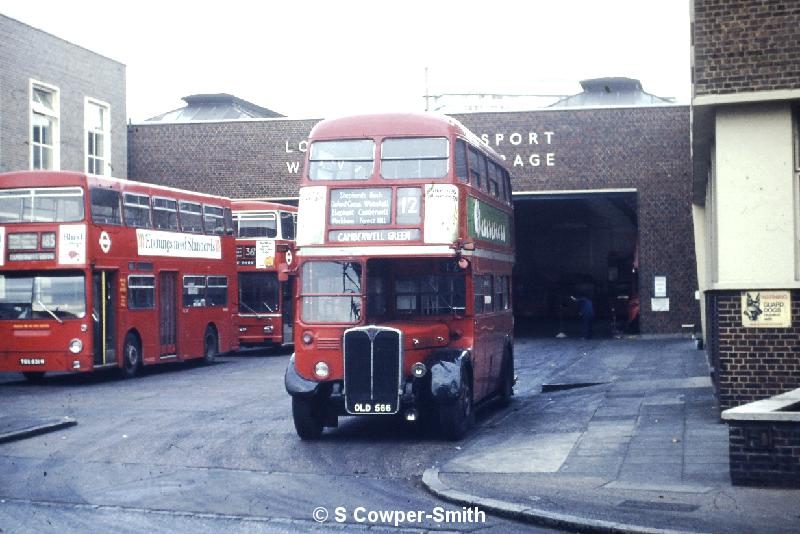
372	361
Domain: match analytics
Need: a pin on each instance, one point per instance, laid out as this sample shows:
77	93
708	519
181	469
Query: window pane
258	293
341	160
105	206
165	215
141	292
217	291
194	291
213	220
461	161
287	225
414	158
190	217
264	225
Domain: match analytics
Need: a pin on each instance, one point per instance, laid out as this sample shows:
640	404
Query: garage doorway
576	244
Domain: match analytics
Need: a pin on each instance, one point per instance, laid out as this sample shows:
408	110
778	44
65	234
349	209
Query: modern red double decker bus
404	258
98	272
265	234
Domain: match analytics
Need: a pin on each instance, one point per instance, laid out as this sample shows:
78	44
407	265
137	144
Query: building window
44	139
98	138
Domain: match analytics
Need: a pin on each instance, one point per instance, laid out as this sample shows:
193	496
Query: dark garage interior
581	245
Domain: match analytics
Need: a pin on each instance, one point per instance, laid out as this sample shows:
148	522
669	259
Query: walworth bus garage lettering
498	140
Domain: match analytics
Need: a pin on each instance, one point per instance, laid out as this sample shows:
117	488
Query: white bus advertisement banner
72	244
157	243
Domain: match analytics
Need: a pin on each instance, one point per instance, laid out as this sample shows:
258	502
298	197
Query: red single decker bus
98	272
264	240
404	258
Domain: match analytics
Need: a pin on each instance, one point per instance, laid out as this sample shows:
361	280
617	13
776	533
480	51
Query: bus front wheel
211	346
131	356
307	421
506	390
457	416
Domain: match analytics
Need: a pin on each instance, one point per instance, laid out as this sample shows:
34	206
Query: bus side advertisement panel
157	243
487	223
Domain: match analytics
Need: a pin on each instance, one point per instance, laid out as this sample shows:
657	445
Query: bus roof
395	124
260	205
66	178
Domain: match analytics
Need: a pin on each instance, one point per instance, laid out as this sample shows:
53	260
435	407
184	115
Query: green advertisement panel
487	223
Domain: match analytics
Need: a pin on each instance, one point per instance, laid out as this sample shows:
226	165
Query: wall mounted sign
766	309
660	304
660	286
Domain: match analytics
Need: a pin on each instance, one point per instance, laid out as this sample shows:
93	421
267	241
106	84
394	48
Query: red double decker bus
265	234
98	272
404	258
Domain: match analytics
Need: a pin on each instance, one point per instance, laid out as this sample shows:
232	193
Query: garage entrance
581	245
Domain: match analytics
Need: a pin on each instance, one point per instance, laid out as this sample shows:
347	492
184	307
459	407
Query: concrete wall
27	53
755	192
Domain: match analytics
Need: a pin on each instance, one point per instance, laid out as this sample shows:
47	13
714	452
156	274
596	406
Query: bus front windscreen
341	160
42	296
414	158
43	204
258	293
262	225
331	292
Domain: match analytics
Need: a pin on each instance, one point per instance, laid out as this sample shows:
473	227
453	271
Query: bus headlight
268	329
419	370
242	329
75	346
321	370
307	338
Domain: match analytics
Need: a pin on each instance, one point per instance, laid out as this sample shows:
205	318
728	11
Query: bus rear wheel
210	345
506	390
457	416
307	420
34	377
131	356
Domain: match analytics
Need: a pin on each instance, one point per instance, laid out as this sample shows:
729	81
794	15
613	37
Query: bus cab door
287	310
104	332
168	313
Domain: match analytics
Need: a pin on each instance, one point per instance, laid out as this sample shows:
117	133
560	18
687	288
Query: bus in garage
404	259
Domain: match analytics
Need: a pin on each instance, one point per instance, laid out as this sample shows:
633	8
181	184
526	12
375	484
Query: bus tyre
210	346
507	379
34	377
131	356
307	420
457	416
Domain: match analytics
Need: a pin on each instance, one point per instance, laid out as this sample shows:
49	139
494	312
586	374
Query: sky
319	58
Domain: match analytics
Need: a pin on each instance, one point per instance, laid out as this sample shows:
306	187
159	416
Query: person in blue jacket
586	313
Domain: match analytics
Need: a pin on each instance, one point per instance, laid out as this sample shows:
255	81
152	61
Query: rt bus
97	272
404	258
264	241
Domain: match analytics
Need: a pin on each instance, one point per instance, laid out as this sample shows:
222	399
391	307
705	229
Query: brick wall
646	149
764	453
746	45
26	53
751	363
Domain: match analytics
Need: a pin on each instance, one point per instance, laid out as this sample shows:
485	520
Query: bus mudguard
296	385
445	368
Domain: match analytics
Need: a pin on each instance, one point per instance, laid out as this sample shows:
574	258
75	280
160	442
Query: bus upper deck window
213	220
105	206
191	217
477	164
462	171
414	158
165	213
287	225
341	160
137	210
